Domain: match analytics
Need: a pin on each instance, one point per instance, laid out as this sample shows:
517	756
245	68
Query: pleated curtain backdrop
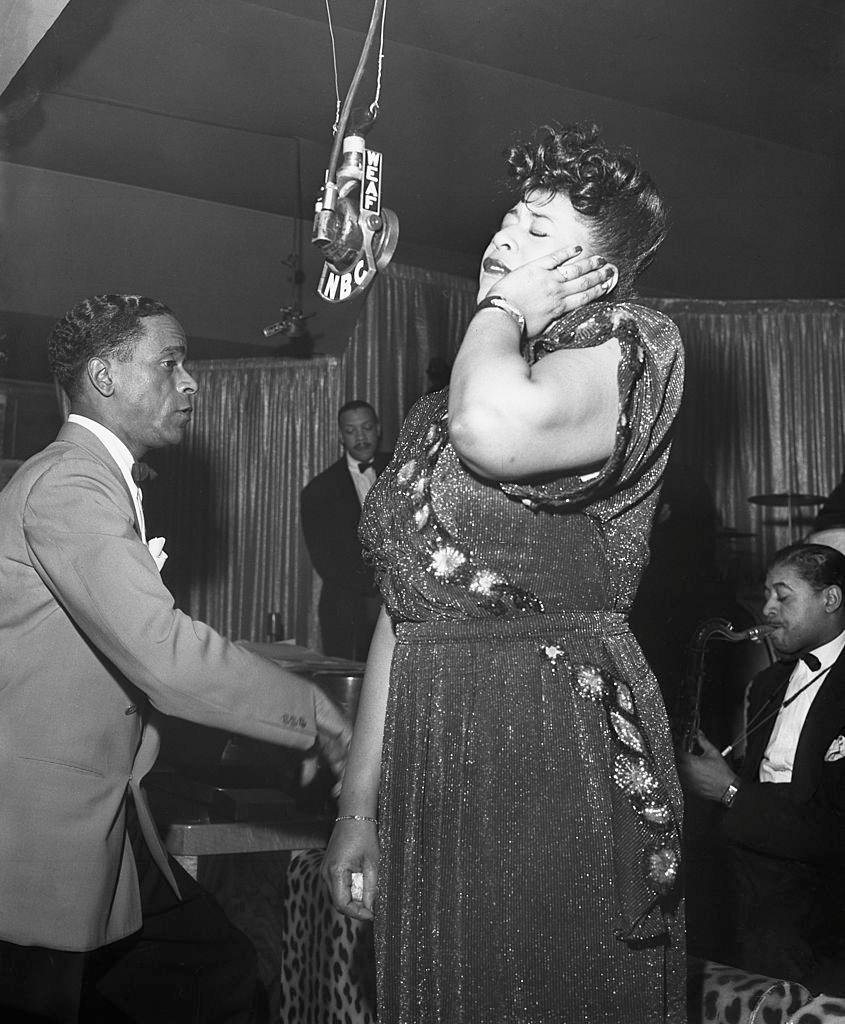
762	413
227	498
411	316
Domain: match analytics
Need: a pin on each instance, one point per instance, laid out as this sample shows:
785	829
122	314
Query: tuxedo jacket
330	512
90	646
802	820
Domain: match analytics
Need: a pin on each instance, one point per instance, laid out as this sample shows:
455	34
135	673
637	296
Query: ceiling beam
22	26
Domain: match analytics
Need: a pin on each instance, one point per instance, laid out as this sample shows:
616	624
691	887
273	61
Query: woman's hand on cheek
547	288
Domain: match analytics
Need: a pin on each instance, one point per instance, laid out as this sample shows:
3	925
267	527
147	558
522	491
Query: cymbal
787	499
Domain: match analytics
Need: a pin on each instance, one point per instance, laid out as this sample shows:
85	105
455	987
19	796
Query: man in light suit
785	807
330	509
91	647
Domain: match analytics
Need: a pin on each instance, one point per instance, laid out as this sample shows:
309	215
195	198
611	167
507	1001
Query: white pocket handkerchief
836	751
156	546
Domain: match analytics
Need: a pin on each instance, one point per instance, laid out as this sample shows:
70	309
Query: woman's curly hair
103	325
607	187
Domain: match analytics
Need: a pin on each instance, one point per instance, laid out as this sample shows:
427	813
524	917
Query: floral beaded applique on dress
636	774
450	560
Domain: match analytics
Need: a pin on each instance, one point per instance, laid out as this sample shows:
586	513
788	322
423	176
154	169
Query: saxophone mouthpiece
757	634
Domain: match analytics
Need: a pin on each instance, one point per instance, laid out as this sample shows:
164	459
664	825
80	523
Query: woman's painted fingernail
577	249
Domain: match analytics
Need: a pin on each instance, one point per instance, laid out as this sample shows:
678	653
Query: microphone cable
342	113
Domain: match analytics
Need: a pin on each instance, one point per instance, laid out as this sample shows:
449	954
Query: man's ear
99	373
832	598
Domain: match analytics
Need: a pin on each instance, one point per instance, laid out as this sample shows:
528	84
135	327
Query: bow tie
364	466
141	472
810	660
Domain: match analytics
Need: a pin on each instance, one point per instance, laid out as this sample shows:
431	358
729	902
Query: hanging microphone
356	235
292	323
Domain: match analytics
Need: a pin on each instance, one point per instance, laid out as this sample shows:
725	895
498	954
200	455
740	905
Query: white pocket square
836	751
156	546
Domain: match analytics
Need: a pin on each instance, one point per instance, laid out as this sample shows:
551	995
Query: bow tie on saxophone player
810	660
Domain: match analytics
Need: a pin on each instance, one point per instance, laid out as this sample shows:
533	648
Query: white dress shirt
363	481
779	757
124	459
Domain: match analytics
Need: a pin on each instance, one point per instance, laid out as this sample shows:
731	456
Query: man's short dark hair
103	325
817	564
356	403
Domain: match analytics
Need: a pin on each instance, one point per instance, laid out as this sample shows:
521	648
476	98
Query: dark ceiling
233	101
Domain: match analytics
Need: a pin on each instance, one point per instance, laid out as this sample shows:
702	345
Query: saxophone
693	685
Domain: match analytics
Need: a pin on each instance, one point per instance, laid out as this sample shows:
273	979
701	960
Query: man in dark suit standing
97	923
785	807
331	508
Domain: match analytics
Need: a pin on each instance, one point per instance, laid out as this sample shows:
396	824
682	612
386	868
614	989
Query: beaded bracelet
355	817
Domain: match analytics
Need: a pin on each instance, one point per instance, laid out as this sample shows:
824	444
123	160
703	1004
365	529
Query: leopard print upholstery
821	1010
328	962
328	971
718	994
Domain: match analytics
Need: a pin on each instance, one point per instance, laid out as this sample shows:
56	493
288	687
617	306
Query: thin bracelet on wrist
506	307
355	817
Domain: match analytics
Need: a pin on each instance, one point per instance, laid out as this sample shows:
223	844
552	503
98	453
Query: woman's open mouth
494	266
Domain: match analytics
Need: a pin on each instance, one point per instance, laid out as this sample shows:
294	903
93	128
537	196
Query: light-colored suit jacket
90	645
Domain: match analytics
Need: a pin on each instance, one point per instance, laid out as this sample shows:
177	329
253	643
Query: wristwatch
727	797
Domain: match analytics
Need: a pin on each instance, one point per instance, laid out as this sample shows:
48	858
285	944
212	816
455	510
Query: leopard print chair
718	994
328	971
328	963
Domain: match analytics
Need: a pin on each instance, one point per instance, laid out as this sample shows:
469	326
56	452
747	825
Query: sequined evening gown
529	805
